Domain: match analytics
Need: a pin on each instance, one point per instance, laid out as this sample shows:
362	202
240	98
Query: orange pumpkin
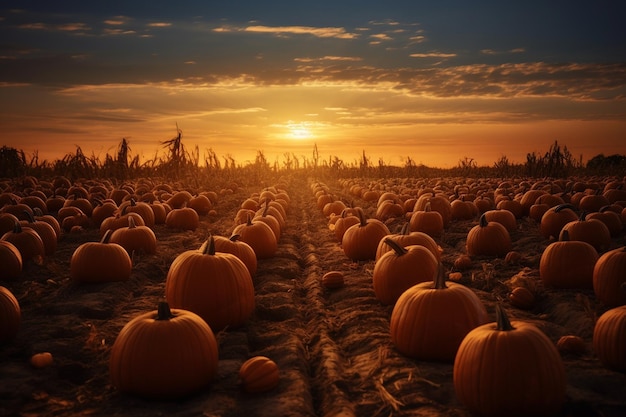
97	262
259	235
504	217
592	231
333	279
522	297
11	261
238	248
27	241
360	241
509	369
137	239
427	221
215	285
183	218
555	218
259	374
430	319
406	238
609	277
343	222
568	264
167	353
488	238
609	338
45	231
10	315
400	268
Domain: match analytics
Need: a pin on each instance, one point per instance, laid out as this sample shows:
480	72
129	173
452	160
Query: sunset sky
436	81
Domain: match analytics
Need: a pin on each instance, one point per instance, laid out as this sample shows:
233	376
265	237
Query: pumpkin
360	241
10	315
609	338
568	264
98	262
437	203
509	369
167	353
610	218
27	241
401	268
406	238
238	248
102	210
11	261
259	235
333	207
609	277
333	279
571	345
141	208
427	221
555	218
259	374
488	238
389	209
45	231
41	360
215	285
504	217
138	239
7	222
183	218
201	204
270	220
430	319
592	231
461	209
514	206
118	221
522	297
343	222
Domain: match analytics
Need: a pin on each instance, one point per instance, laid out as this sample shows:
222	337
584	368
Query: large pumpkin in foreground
10	315
217	286
609	338
164	354
509	369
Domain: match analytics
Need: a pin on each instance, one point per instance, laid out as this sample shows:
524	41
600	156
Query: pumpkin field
353	295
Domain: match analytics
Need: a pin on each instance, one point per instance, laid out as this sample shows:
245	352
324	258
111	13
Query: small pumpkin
333	279
488	239
41	360
343	222
522	297
407	238
259	374
98	262
167	353
215	285
609	338
509	369
430	319
504	217
427	221
592	231
609	277
571	345
10	315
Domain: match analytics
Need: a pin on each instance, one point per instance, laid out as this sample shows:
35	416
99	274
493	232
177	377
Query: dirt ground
332	346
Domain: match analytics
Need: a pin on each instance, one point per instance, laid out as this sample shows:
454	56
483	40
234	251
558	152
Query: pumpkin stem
564	237
440	278
398	249
234	237
107	236
163	311
30	216
362	219
483	220
406	229
17	227
563	206
208	247
131	222
502	320
249	220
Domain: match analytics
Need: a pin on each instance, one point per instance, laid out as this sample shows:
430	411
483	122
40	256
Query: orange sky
397	80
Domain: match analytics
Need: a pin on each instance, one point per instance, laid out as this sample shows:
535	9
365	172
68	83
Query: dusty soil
332	346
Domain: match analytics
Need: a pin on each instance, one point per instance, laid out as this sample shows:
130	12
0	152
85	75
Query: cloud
433	55
320	32
510	51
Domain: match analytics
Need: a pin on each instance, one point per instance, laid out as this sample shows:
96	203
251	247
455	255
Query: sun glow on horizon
299	131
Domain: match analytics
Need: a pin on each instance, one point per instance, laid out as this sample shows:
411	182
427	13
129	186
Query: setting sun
299	131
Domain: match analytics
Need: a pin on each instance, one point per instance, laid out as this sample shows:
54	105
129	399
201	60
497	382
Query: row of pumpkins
437	319
206	290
